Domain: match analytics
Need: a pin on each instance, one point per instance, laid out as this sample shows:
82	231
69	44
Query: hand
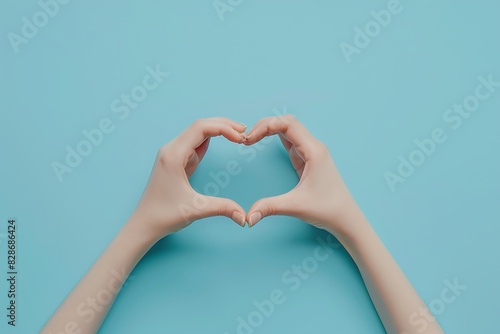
169	203
321	197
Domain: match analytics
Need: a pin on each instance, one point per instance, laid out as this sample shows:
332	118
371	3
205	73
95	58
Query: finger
256	125
297	159
240	127
192	164
291	130
277	205
196	156
202	149
285	142
217	206
202	129
292	151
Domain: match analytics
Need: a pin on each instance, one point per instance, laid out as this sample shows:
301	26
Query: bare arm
322	199
168	204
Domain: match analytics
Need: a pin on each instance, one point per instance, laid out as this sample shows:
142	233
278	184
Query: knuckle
322	146
270	209
284	121
196	123
288	119
167	155
219	119
277	122
162	151
222	209
320	149
199	123
164	158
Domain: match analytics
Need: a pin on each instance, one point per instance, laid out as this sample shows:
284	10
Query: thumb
217	206
277	205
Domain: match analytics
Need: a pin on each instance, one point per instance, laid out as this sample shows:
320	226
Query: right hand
321	197
169	203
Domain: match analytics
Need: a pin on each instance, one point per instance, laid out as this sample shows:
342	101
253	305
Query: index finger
202	129
288	127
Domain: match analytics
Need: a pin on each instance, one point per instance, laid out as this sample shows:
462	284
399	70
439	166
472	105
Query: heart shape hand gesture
321	198
169	203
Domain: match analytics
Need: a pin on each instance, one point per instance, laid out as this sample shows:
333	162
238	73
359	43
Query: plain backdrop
262	58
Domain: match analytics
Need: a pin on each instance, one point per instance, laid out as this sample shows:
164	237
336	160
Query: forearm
88	304
392	293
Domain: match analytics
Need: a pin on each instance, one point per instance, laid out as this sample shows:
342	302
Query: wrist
359	239
138	230
351	227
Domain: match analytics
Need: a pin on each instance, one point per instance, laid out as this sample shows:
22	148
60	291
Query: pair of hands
169	203
320	198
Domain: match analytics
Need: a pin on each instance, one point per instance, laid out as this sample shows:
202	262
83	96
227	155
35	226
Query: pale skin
169	204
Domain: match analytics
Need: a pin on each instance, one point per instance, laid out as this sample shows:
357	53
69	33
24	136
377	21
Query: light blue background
442	223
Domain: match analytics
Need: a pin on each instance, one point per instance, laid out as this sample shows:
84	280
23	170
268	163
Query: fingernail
242	124
255	218
238	218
